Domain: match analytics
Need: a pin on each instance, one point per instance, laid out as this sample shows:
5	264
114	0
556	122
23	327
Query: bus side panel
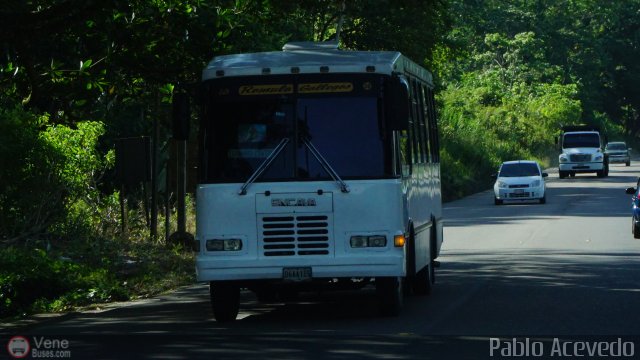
421	203
437	207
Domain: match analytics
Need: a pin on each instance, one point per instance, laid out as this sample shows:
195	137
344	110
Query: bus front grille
295	235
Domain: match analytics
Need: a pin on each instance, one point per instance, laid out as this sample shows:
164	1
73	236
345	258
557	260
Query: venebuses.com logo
20	347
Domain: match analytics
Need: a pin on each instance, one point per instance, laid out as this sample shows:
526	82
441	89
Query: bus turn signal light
399	240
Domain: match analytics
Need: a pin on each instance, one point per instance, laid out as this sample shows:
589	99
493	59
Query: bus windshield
241	133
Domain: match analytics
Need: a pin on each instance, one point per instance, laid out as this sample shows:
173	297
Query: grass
69	276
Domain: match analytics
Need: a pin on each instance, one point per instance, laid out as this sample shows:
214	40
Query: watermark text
526	347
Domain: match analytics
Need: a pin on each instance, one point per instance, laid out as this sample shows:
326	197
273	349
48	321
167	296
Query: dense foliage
513	72
76	75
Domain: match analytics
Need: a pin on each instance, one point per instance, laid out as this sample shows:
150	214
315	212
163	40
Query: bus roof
313	58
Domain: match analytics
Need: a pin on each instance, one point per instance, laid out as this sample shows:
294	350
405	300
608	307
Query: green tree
508	107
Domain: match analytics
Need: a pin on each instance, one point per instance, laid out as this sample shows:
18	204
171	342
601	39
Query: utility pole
154	173
182	184
181	120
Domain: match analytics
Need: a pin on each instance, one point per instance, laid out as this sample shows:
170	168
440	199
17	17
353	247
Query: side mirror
181	115
397	104
544	174
494	176
631	190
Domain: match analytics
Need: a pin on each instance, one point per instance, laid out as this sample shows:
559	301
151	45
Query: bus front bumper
208	269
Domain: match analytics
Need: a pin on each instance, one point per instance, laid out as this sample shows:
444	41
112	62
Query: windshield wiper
325	165
264	165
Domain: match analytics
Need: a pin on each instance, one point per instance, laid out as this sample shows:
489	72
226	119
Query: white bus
319	169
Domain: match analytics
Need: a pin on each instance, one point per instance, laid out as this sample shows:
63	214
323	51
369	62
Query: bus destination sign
305	88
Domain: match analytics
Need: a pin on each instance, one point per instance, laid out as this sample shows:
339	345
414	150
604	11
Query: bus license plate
296	273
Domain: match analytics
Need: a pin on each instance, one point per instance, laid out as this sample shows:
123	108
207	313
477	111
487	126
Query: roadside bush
39	281
29	276
48	178
31	192
60	239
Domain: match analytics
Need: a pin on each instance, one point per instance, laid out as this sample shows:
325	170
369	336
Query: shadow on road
545	292
542	294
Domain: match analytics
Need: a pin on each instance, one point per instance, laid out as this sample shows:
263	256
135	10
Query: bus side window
416	134
433	127
413	138
423	108
404	150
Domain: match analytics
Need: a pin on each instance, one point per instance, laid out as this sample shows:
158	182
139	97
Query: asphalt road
565	271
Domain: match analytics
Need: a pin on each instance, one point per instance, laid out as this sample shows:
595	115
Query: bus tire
225	300
424	280
390	295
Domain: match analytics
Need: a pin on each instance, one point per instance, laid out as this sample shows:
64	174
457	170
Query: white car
520	180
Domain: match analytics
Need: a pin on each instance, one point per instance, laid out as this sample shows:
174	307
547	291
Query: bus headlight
361	241
358	241
224	245
377	241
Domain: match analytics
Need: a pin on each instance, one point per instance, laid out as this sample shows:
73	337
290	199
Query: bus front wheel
225	300
424	280
426	277
390	295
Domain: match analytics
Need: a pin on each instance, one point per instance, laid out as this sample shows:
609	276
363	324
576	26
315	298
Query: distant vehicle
581	151
635	208
618	152
520	180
